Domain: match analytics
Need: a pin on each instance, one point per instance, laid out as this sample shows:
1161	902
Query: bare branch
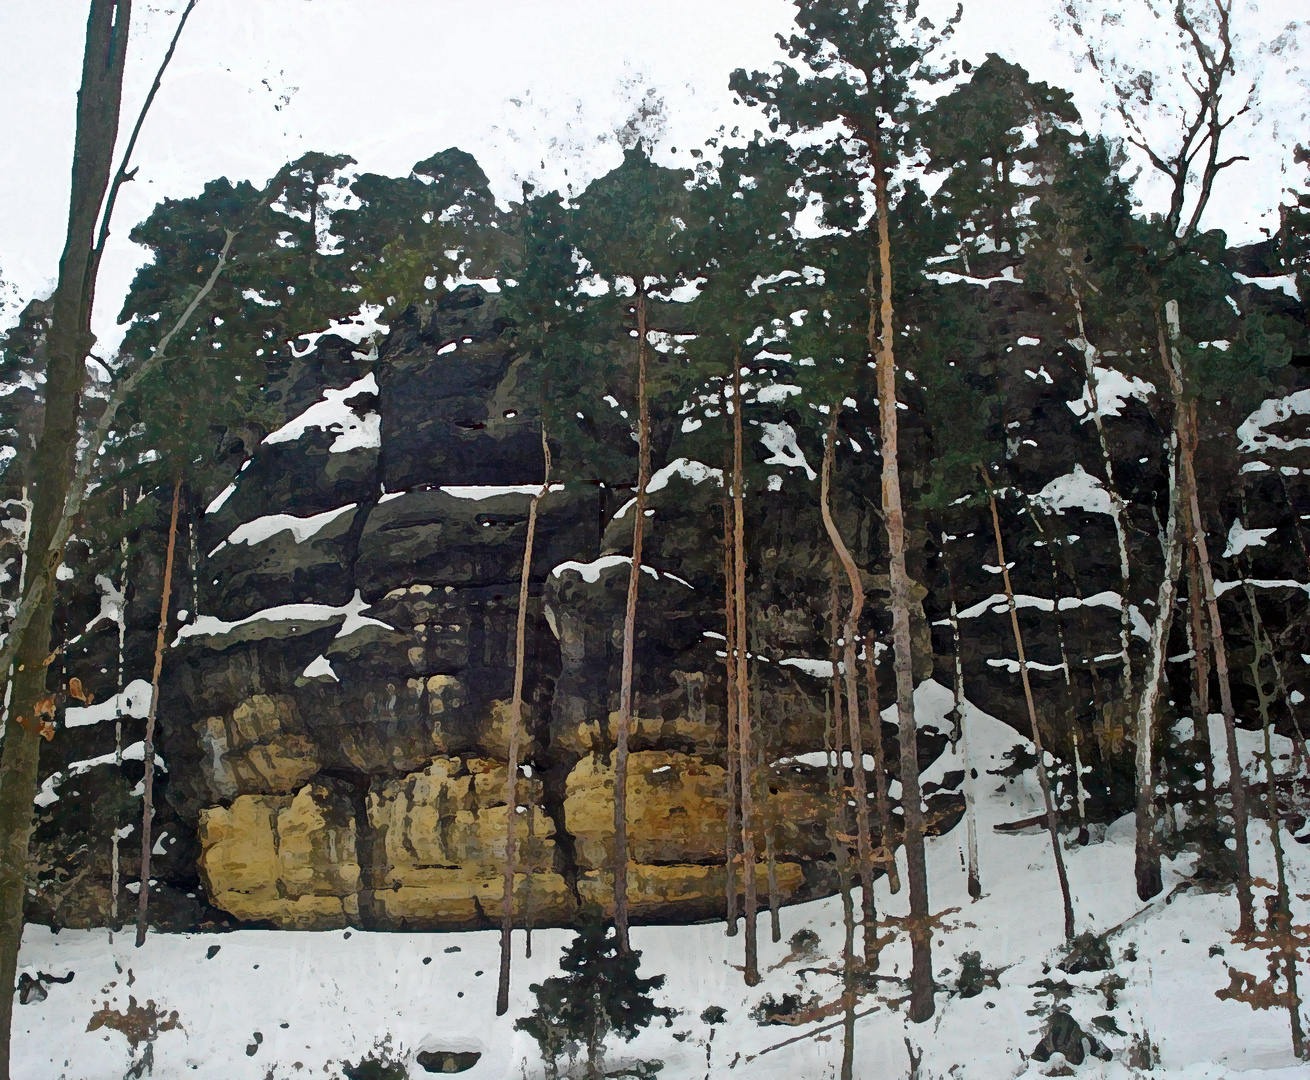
124	174
44	580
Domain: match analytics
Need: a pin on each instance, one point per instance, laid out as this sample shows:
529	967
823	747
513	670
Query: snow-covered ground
273	1005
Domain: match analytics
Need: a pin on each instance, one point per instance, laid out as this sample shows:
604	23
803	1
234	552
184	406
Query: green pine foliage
598	993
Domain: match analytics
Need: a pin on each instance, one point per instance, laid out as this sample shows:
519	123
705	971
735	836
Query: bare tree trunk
1200	643
864	847
1070	705
775	926
970	798
886	853
114	869
147	801
1116	500
515	733
1147	861
1280	928
922	1005
745	760
839	833
1052	826
730	684
629	636
1237	786
67	343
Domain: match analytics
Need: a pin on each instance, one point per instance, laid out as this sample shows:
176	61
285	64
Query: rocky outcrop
335	718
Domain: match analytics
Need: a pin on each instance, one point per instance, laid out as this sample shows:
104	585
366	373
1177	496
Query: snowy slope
283	1004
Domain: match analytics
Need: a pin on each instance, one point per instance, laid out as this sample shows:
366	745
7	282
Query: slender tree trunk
1070	703
1236	784
114	868
970	798
886	853
67	343
1200	643
1117	508
745	760
864	846
147	801
839	831
730	684
922	1005
1147	860
775	926
1052	826
1279	929
629	636
515	734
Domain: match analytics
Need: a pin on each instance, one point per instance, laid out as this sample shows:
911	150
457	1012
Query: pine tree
598	993
627	225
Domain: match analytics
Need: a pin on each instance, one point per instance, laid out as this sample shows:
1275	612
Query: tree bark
970	798
864	847
147	801
1052	826
1147	858
922	1005
629	636
1200	642
1070	704
1116	501
1236	784
886	853
67	342
515	733
730	684
1279	929
745	760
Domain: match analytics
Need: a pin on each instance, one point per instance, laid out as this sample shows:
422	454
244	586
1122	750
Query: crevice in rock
553	763
367	849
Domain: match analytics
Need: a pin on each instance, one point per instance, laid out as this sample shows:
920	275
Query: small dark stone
427	959
212	951
448	1061
453	948
1064	1035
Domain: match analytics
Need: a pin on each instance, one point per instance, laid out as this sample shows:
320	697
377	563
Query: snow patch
333	413
1113	389
1077	490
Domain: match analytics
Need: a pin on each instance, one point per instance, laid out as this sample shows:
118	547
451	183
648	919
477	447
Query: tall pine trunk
886	853
864	847
1186	449
970	798
114	868
148	799
745	758
916	862
1279	928
1066	665
1043	779
67	343
730	684
1200	643
1117	507
629	635
515	733
1146	867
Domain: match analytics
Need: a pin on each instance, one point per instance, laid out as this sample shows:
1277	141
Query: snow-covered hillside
272	1005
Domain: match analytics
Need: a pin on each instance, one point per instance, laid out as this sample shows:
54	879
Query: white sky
257	82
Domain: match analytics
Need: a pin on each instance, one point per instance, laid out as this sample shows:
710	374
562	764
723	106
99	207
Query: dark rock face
334	711
333	716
